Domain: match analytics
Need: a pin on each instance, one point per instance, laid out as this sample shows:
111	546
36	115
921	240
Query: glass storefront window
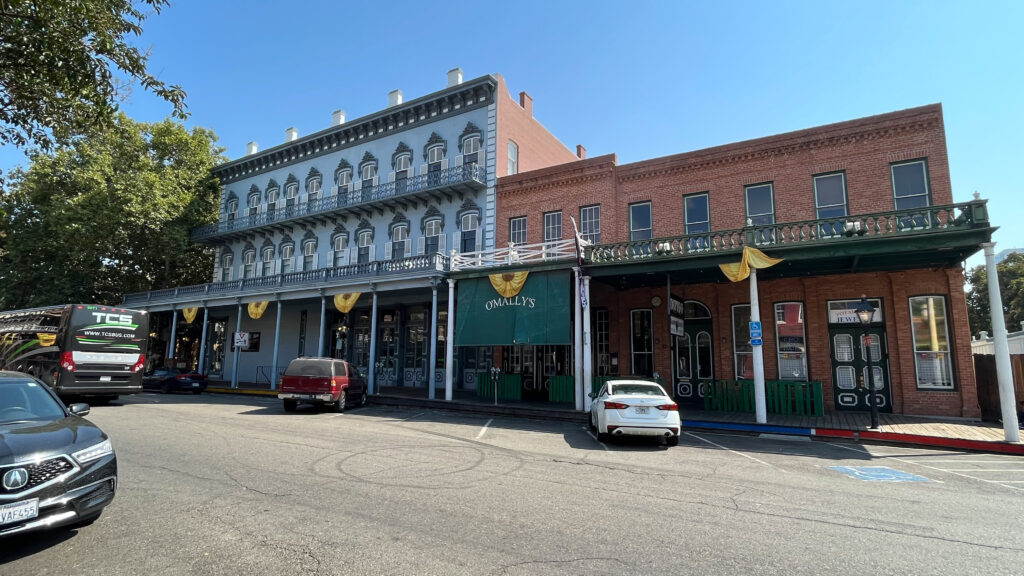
791	341
743	353
930	329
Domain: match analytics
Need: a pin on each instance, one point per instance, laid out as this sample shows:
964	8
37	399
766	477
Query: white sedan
634	408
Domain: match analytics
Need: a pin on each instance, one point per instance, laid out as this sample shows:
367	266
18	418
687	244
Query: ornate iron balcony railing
455	176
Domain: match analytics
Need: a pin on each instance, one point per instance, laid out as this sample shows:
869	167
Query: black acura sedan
56	468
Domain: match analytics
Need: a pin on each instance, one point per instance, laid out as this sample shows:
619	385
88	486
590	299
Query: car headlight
93	452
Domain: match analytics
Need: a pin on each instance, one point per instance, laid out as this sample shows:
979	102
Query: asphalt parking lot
218	484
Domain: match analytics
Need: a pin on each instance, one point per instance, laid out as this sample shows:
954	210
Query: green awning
538	313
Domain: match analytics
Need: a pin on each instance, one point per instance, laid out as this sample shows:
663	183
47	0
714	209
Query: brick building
858	207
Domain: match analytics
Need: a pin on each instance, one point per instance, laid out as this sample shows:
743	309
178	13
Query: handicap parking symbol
878	474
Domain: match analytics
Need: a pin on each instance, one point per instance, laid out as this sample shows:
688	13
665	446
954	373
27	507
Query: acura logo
15	479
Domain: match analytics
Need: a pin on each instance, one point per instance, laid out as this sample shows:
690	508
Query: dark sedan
56	468
174	380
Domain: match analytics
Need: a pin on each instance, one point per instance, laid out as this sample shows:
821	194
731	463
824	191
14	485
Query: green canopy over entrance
536	313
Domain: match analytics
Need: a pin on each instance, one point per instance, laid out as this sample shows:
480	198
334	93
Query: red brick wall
537	147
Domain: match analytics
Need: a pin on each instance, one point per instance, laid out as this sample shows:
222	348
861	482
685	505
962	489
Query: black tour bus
77	349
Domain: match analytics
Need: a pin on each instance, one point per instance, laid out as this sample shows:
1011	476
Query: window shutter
478	241
297	263
407	245
391	177
353	253
342	257
356	185
420	245
423	169
330	258
441	243
373	252
316	261
389	249
277	266
376	180
444	164
458	160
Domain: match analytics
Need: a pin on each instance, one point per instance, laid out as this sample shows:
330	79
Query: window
272	194
470	149
601	340
227	262
640	221
291	193
697	219
743	352
641	342
513	158
932	358
517	230
590	224
268	261
231	208
435	154
248	264
313	189
344	179
340	250
470	225
402	164
365	243
761	211
910	185
399	242
432	234
287	252
830	202
368	173
254	204
309	255
552	226
791	341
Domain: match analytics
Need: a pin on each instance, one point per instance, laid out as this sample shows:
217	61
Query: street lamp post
865	311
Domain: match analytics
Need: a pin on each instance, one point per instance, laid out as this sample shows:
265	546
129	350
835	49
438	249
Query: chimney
291	134
394	98
454	77
337	118
581	152
526	103
251	148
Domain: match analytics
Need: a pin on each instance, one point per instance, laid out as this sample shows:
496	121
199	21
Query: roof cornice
445	103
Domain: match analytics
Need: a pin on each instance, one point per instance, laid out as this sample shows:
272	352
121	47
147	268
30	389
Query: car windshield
26	400
314	368
641	389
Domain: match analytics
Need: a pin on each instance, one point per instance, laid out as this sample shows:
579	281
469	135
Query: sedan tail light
668	407
181	377
615	406
67	362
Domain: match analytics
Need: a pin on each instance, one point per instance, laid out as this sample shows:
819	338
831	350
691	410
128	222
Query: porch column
760	407
323	320
449	351
174	333
588	345
577	341
234	360
372	377
1004	374
433	338
201	368
277	344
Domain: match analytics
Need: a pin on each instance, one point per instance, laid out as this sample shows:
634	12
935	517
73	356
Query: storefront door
693	362
849	353
386	363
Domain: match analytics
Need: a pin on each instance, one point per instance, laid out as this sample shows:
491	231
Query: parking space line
985	470
587	430
733	451
484	429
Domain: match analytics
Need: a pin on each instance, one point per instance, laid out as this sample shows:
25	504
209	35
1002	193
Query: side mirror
79	409
592	395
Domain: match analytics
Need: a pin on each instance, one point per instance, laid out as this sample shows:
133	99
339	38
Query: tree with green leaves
65	65
1011	287
109	214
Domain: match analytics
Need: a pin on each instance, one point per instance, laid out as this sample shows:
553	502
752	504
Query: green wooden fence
781	397
561	389
510	386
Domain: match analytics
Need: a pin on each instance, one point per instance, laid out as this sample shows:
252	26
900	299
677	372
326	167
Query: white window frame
594	234
818	206
781	307
309	250
272	197
313	189
513	158
927	195
365	239
403	162
231	208
552	229
689	226
513	233
368	171
287	258
471	145
435	154
249	264
344	177
227	264
253	203
650	217
268	261
941	355
432	227
771	197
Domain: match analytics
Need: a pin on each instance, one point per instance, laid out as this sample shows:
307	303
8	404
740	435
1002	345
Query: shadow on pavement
19	546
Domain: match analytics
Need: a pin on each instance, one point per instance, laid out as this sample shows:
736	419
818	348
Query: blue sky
640	79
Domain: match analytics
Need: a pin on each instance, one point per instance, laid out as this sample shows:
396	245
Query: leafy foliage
64	65
1011	287
109	214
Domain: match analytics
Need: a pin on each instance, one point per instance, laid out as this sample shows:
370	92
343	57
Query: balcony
435	185
293	281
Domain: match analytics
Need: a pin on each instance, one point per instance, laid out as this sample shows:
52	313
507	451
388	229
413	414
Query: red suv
325	381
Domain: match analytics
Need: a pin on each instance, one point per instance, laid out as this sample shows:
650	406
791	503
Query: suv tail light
615	406
334	384
67	362
181	377
139	364
668	407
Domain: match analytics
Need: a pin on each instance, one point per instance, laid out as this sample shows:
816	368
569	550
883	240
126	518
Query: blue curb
748	427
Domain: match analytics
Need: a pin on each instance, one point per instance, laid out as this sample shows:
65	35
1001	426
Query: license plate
104	378
19	511
641	409
195	384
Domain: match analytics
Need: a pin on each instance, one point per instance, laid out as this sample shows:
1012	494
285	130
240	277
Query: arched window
249	264
231	208
340	245
309	255
399	242
365	246
313	189
401	176
344	178
226	263
291	193
287	258
368	174
432	236
253	204
469	226
272	194
267	262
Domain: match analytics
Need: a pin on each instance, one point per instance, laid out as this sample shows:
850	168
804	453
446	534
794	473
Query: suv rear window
339	369
309	368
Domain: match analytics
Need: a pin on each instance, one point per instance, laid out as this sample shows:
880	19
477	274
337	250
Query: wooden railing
514	254
781	397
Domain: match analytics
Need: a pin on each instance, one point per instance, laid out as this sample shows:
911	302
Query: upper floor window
470	232
432	236
590	224
471	149
760	204
368	173
268	260
248	264
830	202
517	230
227	262
291	192
254	204
272	194
313	189
910	185
287	257
435	154
402	164
552	226
344	179
309	255
365	246
640	227
513	158
696	221
399	242
231	208
340	250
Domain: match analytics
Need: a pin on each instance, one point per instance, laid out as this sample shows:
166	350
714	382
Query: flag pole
760	407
